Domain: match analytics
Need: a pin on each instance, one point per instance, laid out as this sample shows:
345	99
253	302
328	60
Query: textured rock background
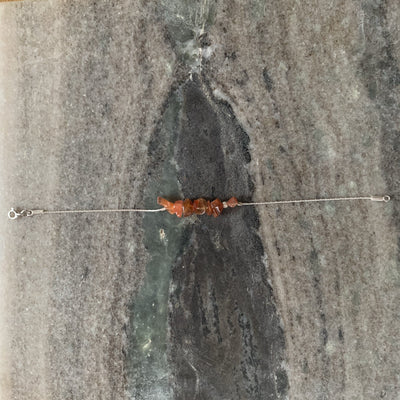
98	109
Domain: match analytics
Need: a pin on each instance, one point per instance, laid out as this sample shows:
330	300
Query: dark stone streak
268	80
381	76
226	341
315	268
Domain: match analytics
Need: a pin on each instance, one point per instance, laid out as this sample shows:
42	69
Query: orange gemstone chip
187	208
178	208
199	206
232	202
217	207
169	206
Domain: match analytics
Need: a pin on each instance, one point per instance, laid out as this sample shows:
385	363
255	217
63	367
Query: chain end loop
385	198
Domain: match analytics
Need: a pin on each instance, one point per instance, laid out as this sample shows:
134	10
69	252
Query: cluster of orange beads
184	208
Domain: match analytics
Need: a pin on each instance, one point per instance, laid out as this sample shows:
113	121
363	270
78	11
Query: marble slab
108	104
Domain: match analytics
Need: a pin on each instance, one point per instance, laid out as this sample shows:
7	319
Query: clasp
14	214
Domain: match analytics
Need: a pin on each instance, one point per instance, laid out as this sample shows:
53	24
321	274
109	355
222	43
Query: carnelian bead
199	206
232	202
166	204
209	209
217	207
187	208
178	208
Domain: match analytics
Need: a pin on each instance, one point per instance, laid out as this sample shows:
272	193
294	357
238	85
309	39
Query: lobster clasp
14	214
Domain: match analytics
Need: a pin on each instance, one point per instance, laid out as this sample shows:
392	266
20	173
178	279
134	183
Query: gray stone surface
109	104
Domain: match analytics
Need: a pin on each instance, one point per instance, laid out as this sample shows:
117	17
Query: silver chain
14	214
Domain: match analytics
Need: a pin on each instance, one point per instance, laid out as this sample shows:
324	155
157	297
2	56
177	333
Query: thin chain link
102	211
373	198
